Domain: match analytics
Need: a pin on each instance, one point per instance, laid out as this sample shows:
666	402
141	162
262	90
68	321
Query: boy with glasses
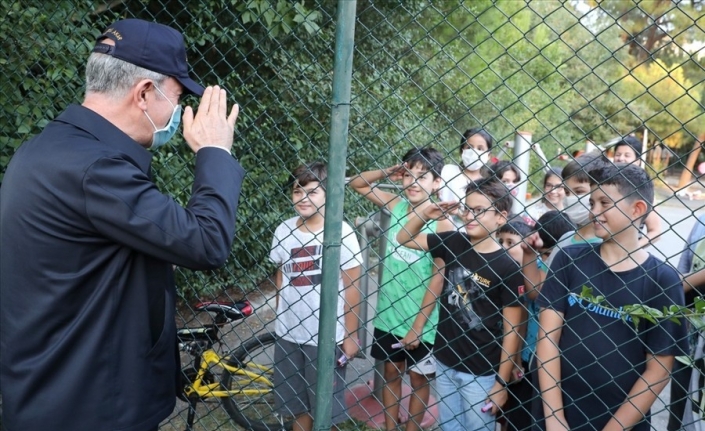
479	308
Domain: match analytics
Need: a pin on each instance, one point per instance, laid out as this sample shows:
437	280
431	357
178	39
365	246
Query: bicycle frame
214	390
252	381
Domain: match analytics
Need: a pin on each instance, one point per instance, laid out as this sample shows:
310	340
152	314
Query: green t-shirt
405	276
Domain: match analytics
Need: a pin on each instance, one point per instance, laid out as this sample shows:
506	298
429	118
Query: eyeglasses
477	212
551	187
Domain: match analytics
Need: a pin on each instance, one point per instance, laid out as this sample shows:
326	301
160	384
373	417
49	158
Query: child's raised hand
396	172
439	210
532	243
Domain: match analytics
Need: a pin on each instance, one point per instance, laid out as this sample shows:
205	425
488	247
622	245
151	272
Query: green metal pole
333	225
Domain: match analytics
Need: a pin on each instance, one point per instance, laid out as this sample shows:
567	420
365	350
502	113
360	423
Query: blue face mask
162	136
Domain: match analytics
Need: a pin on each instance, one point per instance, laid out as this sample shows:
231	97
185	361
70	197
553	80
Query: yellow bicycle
245	384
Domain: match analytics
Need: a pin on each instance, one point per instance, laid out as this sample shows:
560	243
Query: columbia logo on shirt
575	300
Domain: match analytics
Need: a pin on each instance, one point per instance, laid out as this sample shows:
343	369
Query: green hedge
423	73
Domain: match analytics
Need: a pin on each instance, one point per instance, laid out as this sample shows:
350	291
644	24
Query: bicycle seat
226	312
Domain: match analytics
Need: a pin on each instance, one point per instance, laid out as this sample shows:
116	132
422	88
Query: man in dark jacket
87	242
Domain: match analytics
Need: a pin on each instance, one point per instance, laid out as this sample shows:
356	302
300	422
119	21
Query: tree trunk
687	174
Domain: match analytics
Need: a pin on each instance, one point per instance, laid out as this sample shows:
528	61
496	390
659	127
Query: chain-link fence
537	82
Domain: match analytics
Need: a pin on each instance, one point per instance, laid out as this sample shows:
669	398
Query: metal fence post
362	224
335	191
522	146
384	221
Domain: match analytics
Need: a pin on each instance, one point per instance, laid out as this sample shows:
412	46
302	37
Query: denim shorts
295	381
461	398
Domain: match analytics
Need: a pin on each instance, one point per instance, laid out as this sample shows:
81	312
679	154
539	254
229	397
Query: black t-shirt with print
602	356
477	287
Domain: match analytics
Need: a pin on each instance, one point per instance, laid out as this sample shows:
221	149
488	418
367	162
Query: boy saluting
479	308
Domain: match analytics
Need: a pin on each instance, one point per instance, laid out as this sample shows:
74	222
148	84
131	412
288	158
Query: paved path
678	217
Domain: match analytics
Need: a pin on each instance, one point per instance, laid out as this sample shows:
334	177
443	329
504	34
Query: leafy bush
423	72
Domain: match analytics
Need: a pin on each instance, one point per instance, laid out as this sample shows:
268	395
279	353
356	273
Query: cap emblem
114	32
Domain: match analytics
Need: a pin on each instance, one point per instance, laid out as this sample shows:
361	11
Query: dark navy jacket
87	296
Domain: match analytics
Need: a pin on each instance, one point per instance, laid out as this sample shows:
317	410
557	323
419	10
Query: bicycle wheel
251	404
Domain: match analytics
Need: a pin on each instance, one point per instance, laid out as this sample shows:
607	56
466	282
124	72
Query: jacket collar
106	132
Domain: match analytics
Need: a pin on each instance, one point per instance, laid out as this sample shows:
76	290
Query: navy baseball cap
152	46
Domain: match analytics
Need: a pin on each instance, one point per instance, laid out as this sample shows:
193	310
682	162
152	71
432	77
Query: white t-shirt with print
299	255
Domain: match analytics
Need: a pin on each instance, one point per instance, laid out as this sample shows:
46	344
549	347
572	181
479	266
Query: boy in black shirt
479	307
596	370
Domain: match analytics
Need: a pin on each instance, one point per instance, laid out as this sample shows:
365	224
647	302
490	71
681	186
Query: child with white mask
576	205
475	147
474	160
508	173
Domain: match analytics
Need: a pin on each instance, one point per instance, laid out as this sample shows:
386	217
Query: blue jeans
462	396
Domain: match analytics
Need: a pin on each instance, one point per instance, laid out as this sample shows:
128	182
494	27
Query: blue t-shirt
532	327
601	355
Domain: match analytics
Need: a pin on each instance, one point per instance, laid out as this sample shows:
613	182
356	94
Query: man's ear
503	216
140	92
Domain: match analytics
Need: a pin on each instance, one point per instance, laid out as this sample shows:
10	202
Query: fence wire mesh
544	81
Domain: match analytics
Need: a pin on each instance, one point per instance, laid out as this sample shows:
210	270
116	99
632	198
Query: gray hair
114	77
